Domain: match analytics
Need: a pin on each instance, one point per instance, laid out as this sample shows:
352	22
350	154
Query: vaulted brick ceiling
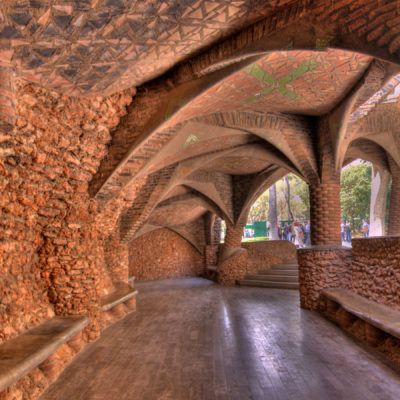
106	45
302	82
231	99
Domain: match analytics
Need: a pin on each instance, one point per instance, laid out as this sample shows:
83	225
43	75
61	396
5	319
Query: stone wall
265	254
163	254
51	247
322	267
253	257
376	269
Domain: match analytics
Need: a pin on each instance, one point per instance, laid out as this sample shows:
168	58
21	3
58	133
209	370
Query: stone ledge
121	295
326	247
20	355
378	315
392	237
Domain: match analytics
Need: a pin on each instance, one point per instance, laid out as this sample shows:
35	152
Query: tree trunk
272	214
287	198
379	188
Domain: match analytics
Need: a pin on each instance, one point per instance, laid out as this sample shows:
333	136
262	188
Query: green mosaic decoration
280	85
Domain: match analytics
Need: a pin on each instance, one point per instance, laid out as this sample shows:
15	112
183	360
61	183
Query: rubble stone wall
163	254
322	267
376	269
52	259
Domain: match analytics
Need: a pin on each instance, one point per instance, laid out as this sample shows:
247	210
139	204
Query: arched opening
279	210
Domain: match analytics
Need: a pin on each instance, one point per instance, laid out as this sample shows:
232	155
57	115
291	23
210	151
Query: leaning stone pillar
233	240
394	210
116	256
379	189
232	260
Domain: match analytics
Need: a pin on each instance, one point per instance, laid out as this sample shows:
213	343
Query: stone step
274	278
269	284
279	272
286	266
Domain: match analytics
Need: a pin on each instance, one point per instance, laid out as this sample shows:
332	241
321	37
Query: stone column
394	211
116	256
379	188
213	234
233	240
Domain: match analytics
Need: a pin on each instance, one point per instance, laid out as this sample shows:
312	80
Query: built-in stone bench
33	348
118	303
376	324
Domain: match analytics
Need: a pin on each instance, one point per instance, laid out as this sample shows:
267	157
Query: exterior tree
355	194
272	214
287	194
259	210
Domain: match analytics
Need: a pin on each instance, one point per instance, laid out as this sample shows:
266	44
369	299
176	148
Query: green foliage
355	193
299	201
259	210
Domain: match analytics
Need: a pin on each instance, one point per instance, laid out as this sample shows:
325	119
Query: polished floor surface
191	339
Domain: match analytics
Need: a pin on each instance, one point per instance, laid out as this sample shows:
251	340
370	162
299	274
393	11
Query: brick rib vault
122	118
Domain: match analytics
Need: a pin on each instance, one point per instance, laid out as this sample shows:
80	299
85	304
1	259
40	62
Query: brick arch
258	186
380	79
293	130
356	27
182	234
369	151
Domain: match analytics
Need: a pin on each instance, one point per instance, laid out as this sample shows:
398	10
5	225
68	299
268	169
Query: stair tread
275	278
287	285
273	272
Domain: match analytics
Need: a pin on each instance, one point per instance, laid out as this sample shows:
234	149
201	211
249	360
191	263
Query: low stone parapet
376	269
322	267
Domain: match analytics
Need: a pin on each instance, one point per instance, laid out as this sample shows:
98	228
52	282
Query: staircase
282	276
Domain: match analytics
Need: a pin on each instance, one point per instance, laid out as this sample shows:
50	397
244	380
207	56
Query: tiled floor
191	339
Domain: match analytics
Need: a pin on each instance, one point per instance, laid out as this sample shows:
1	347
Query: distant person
286	232
365	229
348	232
299	235
307	230
343	230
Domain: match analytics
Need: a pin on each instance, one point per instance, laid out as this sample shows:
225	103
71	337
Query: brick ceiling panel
88	46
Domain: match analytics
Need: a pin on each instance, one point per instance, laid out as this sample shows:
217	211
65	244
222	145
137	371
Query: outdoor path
192	339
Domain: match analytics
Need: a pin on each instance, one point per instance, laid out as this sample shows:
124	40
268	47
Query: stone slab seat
20	355
120	295
379	315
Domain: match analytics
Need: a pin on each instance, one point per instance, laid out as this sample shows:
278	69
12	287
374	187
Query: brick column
326	264
325	212
394	210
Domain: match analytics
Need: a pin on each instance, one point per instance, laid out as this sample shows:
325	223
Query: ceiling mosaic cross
280	85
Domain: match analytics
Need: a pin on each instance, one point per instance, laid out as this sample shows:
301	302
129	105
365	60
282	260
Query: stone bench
122	294
20	355
378	315
118	303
